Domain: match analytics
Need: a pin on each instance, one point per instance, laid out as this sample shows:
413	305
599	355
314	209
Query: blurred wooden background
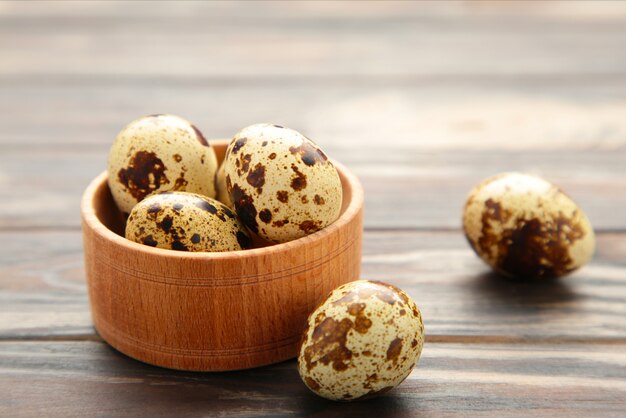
420	99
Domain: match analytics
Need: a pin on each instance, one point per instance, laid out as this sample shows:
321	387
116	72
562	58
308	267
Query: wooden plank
89	378
602	11
42	282
423	115
273	39
42	290
41	186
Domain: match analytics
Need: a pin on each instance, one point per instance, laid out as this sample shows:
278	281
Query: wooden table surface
420	100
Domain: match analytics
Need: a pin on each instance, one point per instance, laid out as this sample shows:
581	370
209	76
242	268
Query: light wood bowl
212	311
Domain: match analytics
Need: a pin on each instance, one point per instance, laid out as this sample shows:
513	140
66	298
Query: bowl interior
110	216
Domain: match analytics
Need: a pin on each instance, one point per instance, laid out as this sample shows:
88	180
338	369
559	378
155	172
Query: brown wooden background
421	100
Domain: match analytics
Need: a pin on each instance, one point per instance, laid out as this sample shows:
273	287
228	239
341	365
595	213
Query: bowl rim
91	221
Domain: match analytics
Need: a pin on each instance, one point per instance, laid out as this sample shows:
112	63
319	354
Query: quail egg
282	185
159	153
186	222
363	340
524	226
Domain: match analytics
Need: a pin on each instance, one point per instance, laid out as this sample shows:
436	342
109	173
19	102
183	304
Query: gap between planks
282	80
438	339
408	230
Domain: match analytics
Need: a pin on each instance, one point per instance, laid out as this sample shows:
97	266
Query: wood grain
602	11
420	100
421	114
42	289
302	40
89	378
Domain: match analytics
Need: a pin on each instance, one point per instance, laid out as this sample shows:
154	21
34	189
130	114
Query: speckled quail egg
363	340
524	226
220	187
186	222
282	185
159	153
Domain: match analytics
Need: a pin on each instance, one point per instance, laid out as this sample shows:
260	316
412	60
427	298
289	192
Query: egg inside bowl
212	311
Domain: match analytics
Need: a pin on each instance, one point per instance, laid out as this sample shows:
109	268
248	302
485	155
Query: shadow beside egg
535	293
387	404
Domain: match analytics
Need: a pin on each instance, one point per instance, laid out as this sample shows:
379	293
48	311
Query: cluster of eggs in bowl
275	185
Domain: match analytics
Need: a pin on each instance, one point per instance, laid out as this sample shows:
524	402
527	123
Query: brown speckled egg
159	153
282	185
363	340
186	222
524	226
220	187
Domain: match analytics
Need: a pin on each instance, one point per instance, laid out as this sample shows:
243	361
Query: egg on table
282	185
159	153
186	222
524	226
363	340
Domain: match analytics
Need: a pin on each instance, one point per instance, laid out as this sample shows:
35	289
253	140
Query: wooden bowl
212	311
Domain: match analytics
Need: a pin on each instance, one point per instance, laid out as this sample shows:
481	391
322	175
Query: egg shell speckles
220	186
362	341
159	153
282	185
524	226
186	222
